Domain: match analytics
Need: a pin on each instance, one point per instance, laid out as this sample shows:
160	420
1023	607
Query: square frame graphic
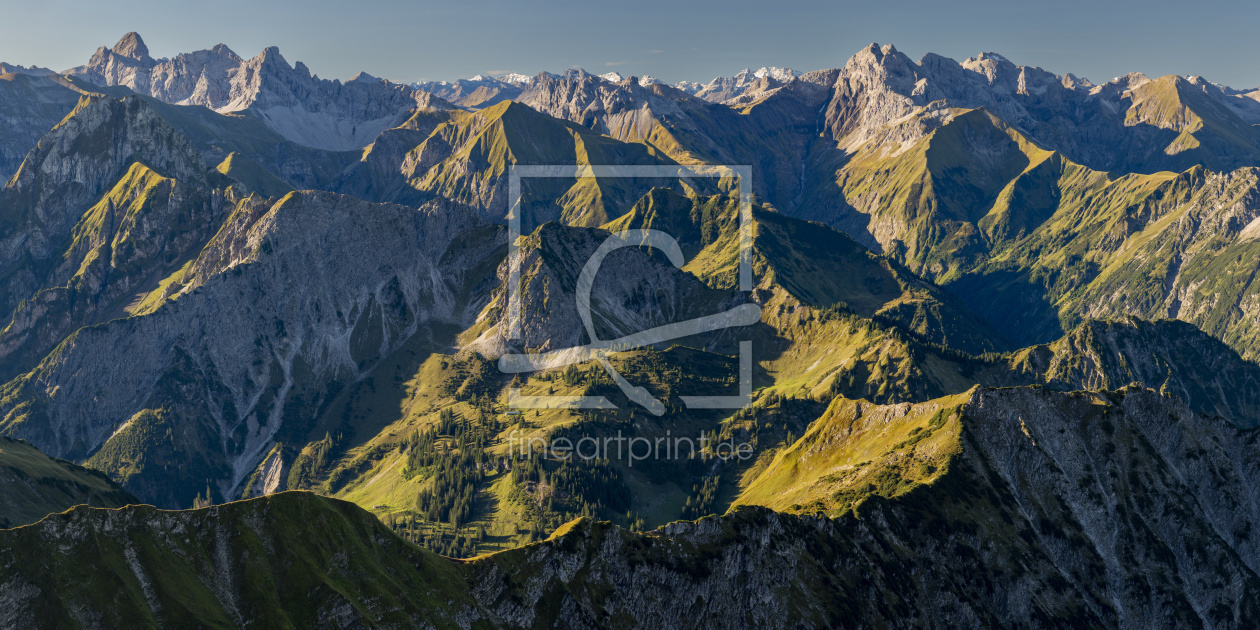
743	179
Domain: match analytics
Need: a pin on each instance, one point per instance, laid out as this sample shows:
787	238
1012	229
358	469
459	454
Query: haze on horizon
671	41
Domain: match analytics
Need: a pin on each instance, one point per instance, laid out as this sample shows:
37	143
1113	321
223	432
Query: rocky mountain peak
990	56
1131	81
990	64
131	45
874	59
873	52
270	56
1074	82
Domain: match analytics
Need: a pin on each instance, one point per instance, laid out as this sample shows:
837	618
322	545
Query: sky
671	40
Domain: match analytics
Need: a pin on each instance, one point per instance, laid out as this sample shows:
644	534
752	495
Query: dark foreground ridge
1013	533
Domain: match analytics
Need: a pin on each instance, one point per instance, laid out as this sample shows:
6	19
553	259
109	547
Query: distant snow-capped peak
689	86
776	73
514	78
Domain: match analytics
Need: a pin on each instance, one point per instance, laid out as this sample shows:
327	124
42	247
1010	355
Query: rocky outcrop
626	110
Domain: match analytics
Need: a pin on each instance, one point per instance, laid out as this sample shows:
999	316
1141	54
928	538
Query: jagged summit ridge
296	103
33	70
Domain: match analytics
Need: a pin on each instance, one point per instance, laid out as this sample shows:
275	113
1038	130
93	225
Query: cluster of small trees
200	501
564	490
458	544
453	452
579	487
454	490
703	495
313	461
435	446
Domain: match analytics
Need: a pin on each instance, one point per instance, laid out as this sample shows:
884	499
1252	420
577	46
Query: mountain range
1004	374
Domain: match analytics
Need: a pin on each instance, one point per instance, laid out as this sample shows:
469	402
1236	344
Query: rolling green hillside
33	485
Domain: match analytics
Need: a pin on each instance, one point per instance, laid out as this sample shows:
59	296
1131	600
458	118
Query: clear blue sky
671	40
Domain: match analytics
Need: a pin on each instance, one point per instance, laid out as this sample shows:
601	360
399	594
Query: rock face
1032	239
293	102
30	105
1122	508
231	365
632	292
773	128
71	218
625	110
1170	356
141	230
